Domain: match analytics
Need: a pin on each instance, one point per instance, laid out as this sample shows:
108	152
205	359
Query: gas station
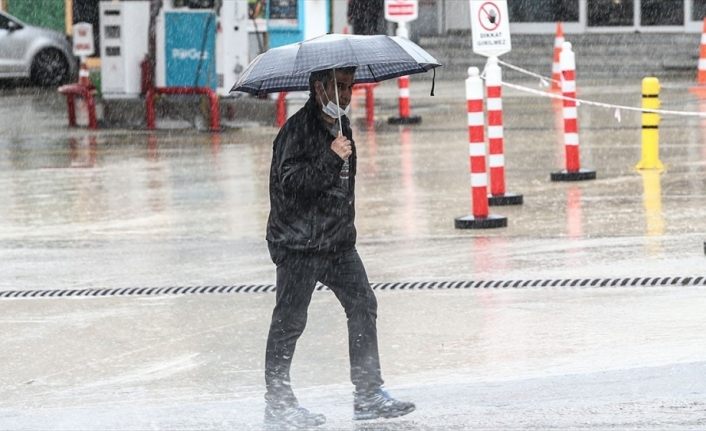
205	46
196	47
200	44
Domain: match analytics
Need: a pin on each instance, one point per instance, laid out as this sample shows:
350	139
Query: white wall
458	14
316	18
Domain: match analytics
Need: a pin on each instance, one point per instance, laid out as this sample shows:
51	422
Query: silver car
45	56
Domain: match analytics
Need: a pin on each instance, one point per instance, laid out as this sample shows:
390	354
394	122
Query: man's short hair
325	76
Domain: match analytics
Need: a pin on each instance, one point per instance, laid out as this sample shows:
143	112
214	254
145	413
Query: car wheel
50	68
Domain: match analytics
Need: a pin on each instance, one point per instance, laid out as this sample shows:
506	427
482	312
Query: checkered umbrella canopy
376	58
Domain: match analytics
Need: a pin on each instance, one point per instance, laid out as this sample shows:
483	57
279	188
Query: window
698	10
194	4
543	10
283	9
610	13
662	12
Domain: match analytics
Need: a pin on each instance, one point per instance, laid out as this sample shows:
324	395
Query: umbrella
376	58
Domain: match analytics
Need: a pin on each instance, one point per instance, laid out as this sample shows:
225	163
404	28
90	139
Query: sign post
83	47
402	12
83	40
490	27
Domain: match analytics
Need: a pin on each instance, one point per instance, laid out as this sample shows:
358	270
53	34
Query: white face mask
333	110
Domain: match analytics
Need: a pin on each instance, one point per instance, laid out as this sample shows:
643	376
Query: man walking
311	238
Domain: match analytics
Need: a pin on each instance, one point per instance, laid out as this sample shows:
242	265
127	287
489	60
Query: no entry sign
490	26
401	10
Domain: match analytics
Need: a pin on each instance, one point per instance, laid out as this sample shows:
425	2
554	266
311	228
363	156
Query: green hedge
42	13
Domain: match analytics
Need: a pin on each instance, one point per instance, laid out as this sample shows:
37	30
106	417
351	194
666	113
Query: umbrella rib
372	72
352	51
357	61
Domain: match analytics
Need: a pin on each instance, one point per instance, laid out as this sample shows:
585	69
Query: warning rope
545	80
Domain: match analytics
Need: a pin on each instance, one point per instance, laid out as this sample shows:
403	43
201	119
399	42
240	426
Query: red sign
401	10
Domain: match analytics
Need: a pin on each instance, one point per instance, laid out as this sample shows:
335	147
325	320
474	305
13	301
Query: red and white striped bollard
84	76
496	157
573	171
403	85
556	66
281	109
476	148
700	88
370	104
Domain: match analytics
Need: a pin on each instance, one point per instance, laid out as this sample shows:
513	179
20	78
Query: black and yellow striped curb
414	285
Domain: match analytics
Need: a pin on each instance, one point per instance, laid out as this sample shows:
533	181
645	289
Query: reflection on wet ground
132	194
119	208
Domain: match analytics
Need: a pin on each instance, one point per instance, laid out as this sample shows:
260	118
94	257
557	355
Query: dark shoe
379	404
292	418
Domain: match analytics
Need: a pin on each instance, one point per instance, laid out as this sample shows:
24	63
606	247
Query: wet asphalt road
119	208
195	204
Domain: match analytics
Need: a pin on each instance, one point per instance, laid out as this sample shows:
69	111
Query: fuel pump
202	43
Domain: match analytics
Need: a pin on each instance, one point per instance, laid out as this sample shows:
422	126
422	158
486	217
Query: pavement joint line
567	283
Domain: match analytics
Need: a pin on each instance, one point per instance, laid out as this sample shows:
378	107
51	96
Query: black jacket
311	209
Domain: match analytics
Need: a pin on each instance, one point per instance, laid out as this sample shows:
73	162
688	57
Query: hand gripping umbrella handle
345	170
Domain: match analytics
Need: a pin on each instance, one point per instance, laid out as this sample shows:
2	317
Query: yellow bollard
650	125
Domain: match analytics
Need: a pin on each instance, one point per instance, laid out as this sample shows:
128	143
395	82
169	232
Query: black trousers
297	274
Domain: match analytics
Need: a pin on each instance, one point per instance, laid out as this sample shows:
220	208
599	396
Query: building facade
437	17
578	16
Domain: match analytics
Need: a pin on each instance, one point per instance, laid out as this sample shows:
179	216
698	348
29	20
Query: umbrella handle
346	164
338	105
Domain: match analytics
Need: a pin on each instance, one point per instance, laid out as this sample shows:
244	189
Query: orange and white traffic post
84	76
404	111
701	76
496	150
401	12
405	116
281	109
700	88
573	171
556	67
480	218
